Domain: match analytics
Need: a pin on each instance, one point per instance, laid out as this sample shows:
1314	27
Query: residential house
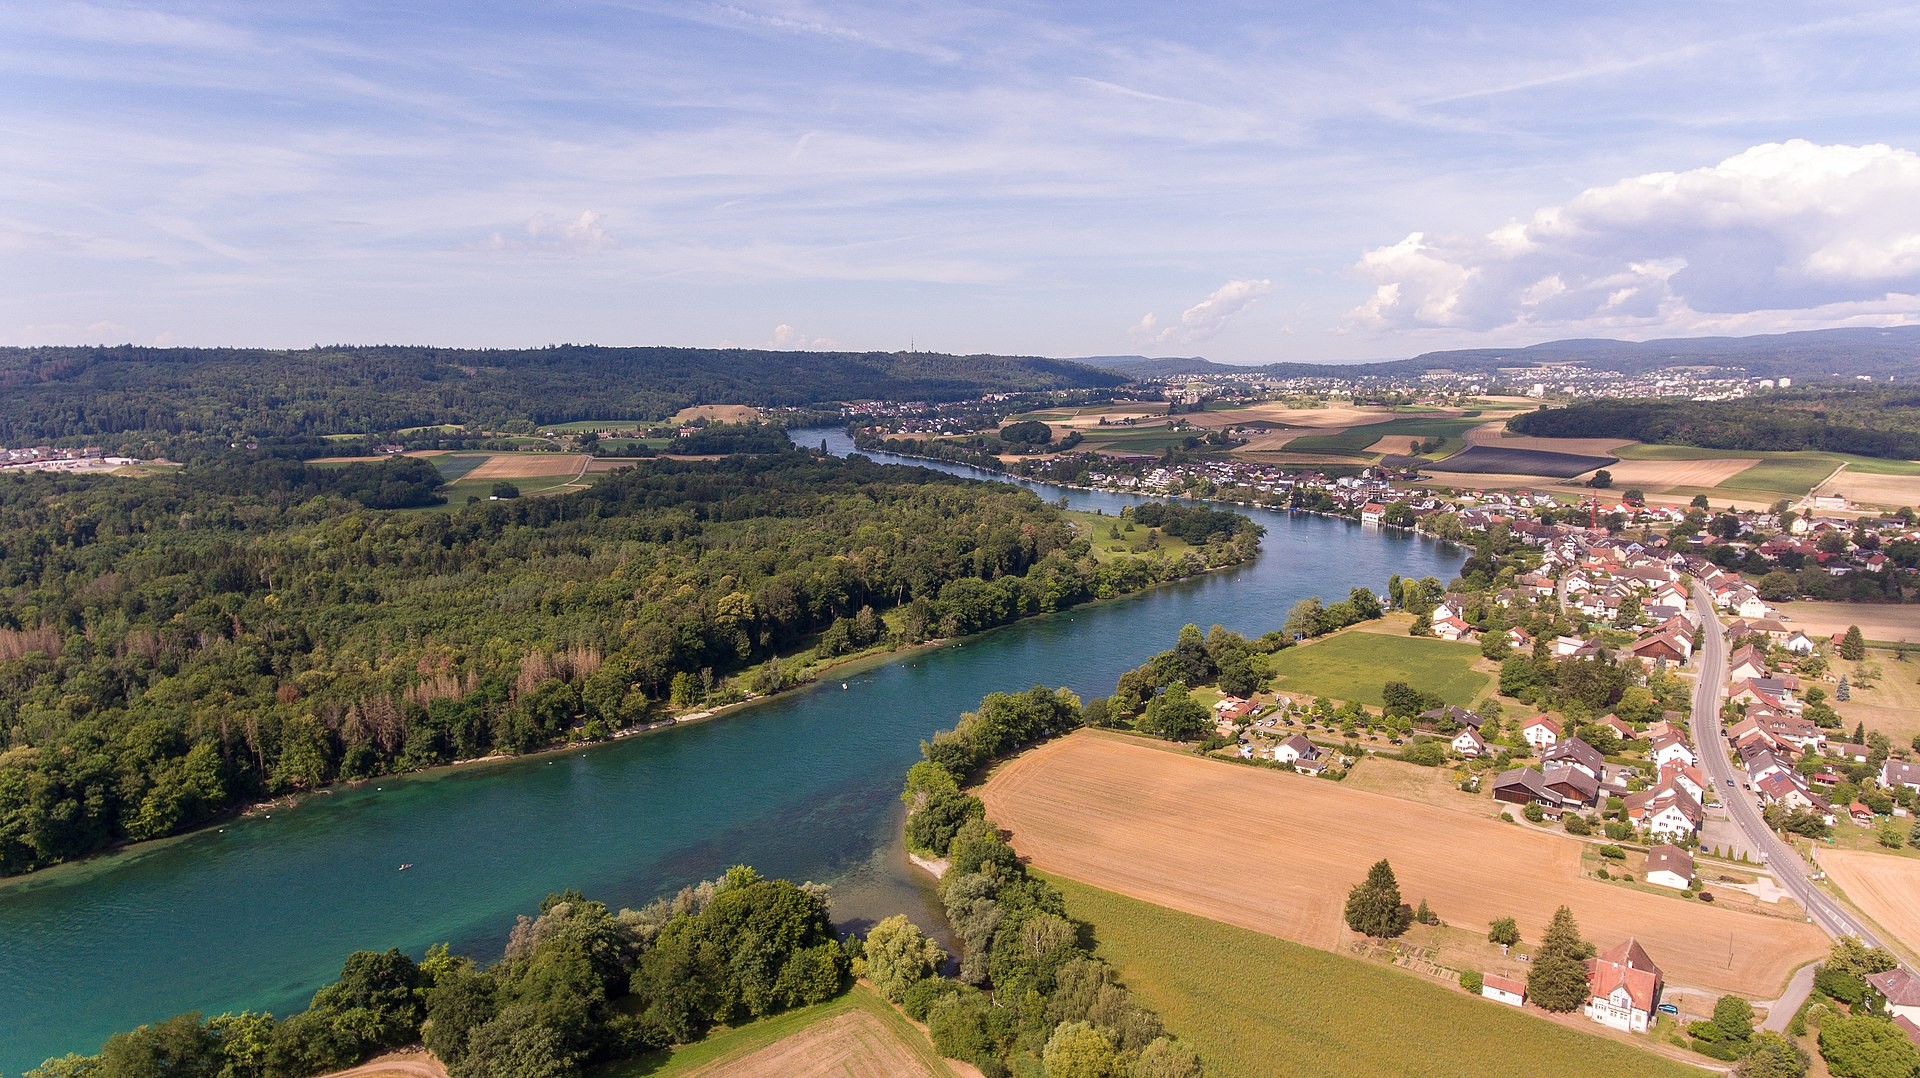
1469	744
1450	717
1620	727
1902	992
1295	749
1861	814
1666	811
1670	866
1508	990
1671	750
1847	750
1746	663
1541	732
1575	752
1623	988
1799	643
1900	773
1660	647
1372	513
1452	629
1687	777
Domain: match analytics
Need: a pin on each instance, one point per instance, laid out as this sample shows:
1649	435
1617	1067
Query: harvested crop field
1495	434
1863	488
1659	474
1885	887
1504	461
717	413
1333	417
1886	622
530	465
1277	853
851	1045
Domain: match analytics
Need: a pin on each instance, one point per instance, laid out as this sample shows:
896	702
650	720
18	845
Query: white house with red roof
1507	990
1469	744
1541	732
1902	992
1623	988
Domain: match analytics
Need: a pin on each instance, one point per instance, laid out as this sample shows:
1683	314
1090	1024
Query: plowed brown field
1884	886
852	1045
1277	853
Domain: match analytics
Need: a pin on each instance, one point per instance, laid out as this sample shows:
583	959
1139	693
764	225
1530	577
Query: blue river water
261	912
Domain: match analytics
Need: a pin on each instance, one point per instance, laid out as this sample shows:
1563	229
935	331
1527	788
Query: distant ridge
1891	351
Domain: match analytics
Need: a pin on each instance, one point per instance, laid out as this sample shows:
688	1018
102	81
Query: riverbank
815	674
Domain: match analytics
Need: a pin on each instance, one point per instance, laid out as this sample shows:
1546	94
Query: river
260	913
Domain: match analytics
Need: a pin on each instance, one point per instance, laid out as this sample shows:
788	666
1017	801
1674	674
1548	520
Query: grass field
1096	529
1277	853
454	467
1786	476
1134	439
857	1035
1357	665
1255	1005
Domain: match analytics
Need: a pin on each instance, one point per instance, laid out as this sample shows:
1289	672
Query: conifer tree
1853	646
1557	980
1374	907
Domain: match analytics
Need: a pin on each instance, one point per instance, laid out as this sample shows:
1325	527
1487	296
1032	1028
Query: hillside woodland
126	396
171	647
1870	423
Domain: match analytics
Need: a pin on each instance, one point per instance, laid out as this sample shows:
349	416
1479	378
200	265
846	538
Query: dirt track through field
1277	853
1884	886
852	1045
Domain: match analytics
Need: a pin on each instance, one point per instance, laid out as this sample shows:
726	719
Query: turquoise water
259	914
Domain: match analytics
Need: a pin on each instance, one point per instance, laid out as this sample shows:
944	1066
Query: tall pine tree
1557	980
1374	907
1853	646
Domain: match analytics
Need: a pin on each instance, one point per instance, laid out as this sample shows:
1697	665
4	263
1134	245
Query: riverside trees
175	645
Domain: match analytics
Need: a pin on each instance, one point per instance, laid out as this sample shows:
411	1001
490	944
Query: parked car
1668	1008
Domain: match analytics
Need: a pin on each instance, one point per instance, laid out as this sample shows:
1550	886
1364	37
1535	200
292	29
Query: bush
1577	824
920	998
1472	981
1613	853
1533	812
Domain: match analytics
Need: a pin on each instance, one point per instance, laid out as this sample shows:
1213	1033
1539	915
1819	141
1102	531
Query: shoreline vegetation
1024	560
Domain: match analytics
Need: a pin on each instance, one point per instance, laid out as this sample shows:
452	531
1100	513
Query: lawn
1875	465
454	466
1256	1005
718	1051
1097	529
1357	665
1150	440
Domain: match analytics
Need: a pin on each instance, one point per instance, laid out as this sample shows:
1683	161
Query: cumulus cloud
1781	234
1205	318
785	337
552	234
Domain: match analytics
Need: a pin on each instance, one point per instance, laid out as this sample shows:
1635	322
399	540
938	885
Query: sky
1250	182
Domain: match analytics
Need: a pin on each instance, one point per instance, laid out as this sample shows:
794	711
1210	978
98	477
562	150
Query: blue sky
1249	182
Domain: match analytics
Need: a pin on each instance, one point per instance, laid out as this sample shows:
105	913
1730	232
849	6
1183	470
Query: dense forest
176	645
1867	422
123	396
577	985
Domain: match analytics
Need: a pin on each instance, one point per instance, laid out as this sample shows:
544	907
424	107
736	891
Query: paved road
1781	1011
1788	869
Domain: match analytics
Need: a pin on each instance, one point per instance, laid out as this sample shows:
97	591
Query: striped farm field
1277	852
1254	1005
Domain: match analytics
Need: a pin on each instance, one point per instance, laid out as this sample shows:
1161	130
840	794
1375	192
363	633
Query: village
1638	787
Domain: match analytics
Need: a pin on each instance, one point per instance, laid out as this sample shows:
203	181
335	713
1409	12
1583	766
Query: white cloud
1781	234
557	235
1204	319
785	338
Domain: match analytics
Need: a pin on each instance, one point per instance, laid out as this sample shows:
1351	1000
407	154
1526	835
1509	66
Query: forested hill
1871	423
55	394
176	644
1892	351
